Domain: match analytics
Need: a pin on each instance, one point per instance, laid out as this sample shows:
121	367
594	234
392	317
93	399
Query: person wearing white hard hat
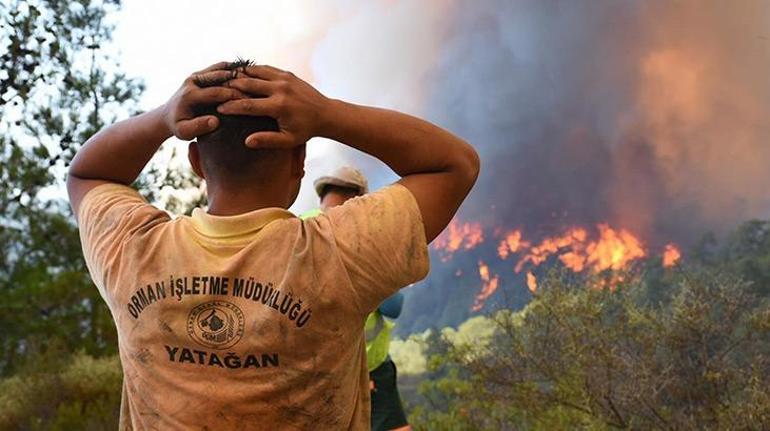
336	188
387	412
342	184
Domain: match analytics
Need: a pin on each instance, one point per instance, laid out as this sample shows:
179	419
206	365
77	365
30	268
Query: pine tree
58	86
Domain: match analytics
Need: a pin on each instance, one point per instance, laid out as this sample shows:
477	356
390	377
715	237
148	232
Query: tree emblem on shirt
216	324
213	321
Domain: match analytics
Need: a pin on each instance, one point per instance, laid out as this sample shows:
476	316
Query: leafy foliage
586	358
59	84
58	88
82	393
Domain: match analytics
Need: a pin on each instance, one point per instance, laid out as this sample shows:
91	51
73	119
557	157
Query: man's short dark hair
223	152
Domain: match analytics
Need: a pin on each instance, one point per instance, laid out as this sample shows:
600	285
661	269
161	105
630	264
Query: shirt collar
237	225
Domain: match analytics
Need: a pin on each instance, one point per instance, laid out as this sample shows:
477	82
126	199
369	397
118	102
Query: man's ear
298	161
195	159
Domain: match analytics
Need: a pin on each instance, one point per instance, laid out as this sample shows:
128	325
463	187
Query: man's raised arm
436	166
118	153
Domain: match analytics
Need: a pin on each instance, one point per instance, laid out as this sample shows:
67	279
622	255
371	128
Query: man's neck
233	201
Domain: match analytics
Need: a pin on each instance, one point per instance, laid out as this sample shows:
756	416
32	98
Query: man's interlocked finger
192	128
258	107
275	140
268	73
211	95
212	78
253	86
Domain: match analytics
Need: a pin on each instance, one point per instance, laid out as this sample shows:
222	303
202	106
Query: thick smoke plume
649	115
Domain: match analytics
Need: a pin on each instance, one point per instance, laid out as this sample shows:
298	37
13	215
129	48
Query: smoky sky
648	115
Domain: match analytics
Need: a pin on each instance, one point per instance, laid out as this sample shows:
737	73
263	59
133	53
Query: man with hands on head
243	316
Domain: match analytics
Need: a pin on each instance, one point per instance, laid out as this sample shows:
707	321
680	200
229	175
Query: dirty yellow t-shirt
248	322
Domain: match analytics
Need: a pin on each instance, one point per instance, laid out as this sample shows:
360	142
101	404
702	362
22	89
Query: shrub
83	394
588	358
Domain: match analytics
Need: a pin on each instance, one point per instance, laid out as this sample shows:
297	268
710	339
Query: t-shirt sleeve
109	215
381	241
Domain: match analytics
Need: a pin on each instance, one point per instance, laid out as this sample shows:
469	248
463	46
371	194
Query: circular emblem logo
216	324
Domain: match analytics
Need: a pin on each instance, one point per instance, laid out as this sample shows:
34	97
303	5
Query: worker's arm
391	307
436	166
118	153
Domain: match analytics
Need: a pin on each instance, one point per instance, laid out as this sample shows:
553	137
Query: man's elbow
75	171
468	165
85	168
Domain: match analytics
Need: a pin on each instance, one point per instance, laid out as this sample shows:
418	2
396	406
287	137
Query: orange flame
488	287
511	244
611	251
614	250
671	255
483	271
531	282
573	260
456	236
538	254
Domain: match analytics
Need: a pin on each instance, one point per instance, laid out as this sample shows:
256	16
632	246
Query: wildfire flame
456	236
671	255
605	251
511	244
614	249
549	246
531	282
488	287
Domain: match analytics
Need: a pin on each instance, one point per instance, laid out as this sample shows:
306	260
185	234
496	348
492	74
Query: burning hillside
603	250
609	132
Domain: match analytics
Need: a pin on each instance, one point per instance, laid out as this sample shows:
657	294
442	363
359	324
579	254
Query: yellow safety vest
377	330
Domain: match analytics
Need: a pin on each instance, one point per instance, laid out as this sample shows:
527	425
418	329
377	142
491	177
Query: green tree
82	393
58	86
584	358
748	253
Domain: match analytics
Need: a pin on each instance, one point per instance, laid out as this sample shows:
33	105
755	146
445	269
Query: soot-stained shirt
252	321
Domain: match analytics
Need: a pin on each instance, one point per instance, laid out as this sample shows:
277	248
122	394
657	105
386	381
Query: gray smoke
651	116
648	115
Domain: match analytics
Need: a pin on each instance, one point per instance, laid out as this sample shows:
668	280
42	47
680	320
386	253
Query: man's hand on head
179	111
118	153
292	102
437	167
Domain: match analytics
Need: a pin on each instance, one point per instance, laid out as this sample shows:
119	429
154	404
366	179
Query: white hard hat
345	176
